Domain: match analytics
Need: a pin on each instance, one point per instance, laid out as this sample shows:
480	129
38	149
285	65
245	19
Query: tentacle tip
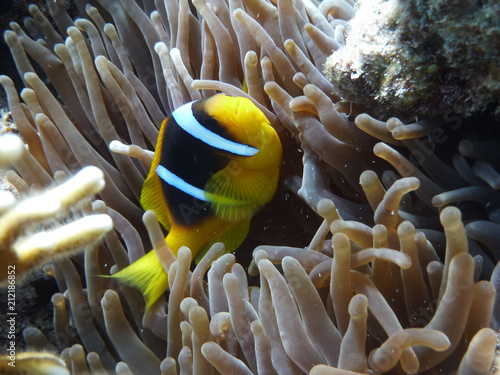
160	48
118	147
466	147
110	297
438	201
450	216
379	148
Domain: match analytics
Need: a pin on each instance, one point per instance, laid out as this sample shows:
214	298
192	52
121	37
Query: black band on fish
184	117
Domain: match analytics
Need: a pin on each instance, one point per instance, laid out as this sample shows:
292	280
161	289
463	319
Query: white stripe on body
177	182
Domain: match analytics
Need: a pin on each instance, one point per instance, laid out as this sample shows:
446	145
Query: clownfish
216	163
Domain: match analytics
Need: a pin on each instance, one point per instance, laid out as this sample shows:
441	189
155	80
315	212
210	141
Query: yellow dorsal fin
152	197
237	194
147	275
231	239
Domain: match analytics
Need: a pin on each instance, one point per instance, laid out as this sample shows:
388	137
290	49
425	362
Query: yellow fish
216	164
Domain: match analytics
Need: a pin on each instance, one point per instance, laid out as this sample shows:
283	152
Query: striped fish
216	164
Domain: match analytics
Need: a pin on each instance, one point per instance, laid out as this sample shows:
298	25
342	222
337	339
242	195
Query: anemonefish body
216	163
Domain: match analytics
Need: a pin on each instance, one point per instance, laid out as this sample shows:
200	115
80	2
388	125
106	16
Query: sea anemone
374	287
24	242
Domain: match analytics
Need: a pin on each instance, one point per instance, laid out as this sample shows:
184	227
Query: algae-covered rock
420	58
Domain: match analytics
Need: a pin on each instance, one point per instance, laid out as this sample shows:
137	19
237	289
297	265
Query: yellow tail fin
147	275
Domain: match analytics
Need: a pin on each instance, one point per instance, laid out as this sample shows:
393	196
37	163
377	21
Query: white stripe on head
184	117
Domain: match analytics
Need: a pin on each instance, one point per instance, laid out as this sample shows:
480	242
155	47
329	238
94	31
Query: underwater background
379	252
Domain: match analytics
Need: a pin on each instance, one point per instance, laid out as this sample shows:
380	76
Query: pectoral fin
237	194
